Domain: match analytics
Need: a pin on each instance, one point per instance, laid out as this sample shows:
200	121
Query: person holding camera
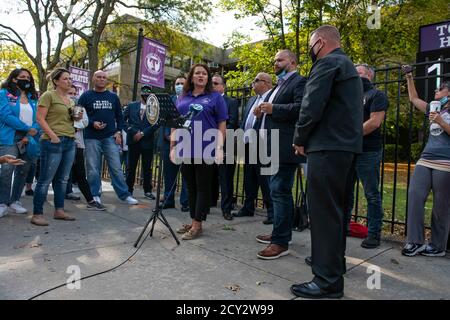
432	172
18	127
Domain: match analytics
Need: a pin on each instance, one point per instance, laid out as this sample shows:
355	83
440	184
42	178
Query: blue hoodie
9	117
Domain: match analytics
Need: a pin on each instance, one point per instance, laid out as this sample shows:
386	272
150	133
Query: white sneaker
3	210
17	207
130	200
97	199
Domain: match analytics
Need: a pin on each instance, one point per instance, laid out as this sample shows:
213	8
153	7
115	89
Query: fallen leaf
233	287
394	261
228	228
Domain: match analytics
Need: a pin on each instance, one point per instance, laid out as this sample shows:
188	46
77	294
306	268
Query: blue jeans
170	171
283	203
6	172
110	150
368	171
56	162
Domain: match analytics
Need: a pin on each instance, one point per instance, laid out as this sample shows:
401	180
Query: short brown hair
328	32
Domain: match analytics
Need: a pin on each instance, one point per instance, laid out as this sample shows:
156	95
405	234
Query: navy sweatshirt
103	107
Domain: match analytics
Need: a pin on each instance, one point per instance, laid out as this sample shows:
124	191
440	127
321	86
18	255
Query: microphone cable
114	268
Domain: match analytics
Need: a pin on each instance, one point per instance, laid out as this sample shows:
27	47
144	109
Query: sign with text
435	36
80	79
152	63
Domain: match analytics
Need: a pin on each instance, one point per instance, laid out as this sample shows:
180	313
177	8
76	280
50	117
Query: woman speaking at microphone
194	155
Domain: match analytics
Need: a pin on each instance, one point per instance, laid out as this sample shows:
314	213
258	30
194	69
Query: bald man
330	131
262	84
103	137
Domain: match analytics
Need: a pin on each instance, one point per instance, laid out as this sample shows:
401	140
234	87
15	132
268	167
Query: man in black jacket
140	139
329	131
278	113
226	170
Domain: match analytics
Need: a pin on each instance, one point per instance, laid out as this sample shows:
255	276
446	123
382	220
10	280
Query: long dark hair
12	87
189	86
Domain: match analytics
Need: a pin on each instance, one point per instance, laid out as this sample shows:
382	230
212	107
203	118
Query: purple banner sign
152	63
80	79
435	37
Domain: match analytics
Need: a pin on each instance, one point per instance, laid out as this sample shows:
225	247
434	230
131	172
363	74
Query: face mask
178	89
144	97
74	99
444	101
312	54
23	84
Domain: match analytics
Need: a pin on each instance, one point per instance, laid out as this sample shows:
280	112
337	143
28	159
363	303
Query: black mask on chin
23	84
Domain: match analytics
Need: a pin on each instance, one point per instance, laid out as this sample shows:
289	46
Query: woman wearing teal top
18	129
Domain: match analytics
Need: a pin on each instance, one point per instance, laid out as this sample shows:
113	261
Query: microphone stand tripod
157	213
167	114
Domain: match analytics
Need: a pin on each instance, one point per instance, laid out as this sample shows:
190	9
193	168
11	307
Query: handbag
301	217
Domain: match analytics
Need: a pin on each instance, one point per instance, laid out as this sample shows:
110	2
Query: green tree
12	57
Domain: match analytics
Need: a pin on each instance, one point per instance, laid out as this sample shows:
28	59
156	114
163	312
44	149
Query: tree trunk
93	60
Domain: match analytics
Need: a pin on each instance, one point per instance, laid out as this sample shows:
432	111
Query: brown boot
39	220
61	215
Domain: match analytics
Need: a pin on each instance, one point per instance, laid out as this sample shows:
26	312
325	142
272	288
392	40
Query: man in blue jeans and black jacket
103	136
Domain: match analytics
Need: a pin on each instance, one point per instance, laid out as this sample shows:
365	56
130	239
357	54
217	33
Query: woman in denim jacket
18	129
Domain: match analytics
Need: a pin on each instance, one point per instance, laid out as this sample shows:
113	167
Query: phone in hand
407	69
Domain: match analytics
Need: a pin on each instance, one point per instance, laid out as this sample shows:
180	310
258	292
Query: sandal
185	228
192	234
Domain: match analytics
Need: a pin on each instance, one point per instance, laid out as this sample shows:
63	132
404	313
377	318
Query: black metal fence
404	136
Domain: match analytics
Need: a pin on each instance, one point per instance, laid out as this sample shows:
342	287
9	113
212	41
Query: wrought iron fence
403	141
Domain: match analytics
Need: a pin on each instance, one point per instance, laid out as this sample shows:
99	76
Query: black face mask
23	84
367	85
145	97
312	54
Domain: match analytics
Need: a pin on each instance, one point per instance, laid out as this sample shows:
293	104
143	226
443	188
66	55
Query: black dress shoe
308	261
267	221
227	216
311	290
243	213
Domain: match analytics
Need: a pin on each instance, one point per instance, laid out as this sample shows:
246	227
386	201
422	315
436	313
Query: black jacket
233	112
286	107
134	124
331	115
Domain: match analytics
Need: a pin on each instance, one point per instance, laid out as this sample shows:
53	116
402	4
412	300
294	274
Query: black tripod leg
164	221
152	217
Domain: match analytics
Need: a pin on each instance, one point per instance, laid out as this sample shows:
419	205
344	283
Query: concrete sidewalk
222	264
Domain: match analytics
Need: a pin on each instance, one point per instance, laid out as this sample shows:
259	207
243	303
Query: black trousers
226	179
135	151
79	175
329	182
198	180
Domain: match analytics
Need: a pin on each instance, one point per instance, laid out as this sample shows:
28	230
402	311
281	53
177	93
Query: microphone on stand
194	110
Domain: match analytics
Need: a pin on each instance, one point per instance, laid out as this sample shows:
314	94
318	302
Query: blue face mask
179	89
444	101
282	74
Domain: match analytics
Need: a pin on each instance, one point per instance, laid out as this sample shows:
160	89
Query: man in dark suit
329	130
253	179
226	170
278	113
140	138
